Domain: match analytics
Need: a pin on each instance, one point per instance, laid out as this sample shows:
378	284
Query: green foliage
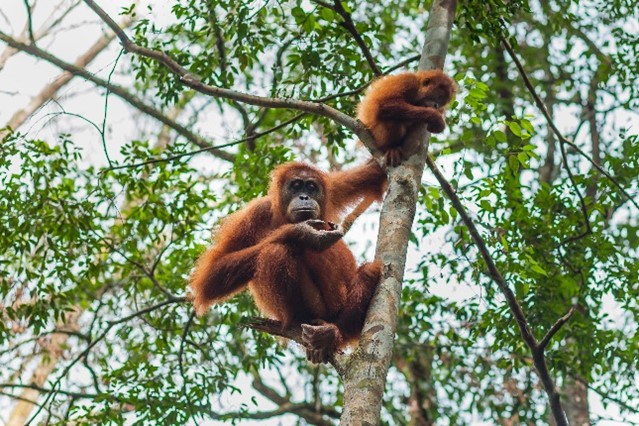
113	247
116	245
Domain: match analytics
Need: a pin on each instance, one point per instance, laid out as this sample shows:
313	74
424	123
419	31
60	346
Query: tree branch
349	25
606	395
537	352
302	409
216	147
554	329
294	333
553	126
582	202
29	22
254	136
196	84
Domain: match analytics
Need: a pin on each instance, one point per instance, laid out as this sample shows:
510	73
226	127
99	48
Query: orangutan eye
297	184
311	186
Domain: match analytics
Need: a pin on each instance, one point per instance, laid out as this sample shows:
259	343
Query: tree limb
536	350
555	328
190	80
29	22
294	333
349	25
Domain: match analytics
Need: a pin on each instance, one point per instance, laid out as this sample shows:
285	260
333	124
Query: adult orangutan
287	249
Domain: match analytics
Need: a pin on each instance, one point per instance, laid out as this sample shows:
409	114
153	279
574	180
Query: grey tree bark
366	370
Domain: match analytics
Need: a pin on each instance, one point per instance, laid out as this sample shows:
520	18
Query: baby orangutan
396	103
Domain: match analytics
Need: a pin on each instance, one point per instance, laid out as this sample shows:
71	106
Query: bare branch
554	329
274	327
293	333
51	22
254	136
118	91
494	272
19	117
582	202
302	409
81	395
595	136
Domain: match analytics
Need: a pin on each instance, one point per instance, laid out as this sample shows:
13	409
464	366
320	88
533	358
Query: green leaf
499	135
515	128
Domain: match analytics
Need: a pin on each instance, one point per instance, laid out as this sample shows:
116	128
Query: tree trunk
365	374
576	402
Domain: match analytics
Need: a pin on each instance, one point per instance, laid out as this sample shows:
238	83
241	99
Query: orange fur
396	103
259	246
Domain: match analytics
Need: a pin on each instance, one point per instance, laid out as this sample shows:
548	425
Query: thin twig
32	38
553	126
606	395
20	398
106	108
117	90
216	147
582	202
185	333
